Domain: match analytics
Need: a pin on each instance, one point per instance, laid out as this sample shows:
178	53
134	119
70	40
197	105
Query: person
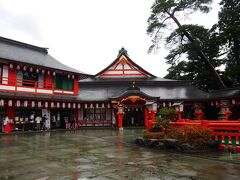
44	118
38	122
31	121
6	124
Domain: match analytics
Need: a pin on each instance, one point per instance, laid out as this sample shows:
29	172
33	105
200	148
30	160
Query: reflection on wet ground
104	154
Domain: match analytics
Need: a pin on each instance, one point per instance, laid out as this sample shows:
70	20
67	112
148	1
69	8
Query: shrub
164	115
195	135
153	135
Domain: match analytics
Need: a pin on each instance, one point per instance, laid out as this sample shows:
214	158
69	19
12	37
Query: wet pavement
104	154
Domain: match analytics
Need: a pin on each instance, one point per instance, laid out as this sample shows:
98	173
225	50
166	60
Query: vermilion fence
227	133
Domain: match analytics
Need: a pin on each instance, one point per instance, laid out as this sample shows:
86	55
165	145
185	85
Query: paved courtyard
104	154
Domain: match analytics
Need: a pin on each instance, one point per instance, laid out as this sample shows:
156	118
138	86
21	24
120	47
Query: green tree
192	68
229	29
164	10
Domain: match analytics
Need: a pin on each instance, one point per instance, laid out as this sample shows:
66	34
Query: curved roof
21	52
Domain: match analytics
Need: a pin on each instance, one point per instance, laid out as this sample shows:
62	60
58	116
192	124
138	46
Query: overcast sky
87	34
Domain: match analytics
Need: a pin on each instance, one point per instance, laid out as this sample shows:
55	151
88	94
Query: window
98	114
29	78
63	83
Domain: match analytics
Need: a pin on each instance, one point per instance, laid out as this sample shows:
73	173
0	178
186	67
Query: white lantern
58	105
63	105
10	102
69	76
108	106
181	107
33	103
48	72
212	103
79	106
46	104
25	104
18	67
11	66
69	105
74	105
24	68
103	105
233	101
97	105
31	69
37	70
216	103
169	104
39	104
43	71
91	105
54	73
72	76
1	102
85	106
164	104
52	104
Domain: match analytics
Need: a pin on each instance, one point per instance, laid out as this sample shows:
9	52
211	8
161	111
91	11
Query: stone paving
103	154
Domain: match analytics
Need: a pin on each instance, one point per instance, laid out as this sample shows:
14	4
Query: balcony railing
29	86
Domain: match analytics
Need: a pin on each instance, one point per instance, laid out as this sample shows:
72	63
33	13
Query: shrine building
121	95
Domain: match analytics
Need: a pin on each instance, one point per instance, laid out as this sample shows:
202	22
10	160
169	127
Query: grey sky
87	35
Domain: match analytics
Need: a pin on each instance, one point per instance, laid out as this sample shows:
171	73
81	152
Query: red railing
23	83
227	133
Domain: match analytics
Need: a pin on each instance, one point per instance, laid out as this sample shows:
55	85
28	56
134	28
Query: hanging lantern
39	104
58	105
10	102
43	71
69	105
52	104
11	66
54	73
63	105
233	101
18	67
108	106
72	76
216	103
74	105
24	68
46	104
212	104
79	106
164	104
48	72
31	69
85	106
169	104
103	105
25	103
1	102
18	103
69	76
97	105
37	70
33	103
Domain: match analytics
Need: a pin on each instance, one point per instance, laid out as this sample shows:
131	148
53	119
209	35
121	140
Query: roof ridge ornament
122	51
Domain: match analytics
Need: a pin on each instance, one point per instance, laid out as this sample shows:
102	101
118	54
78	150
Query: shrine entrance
133	117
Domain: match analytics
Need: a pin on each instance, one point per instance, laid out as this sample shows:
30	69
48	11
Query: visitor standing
44	119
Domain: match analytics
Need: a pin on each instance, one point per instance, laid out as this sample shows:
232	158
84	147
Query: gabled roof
16	51
123	67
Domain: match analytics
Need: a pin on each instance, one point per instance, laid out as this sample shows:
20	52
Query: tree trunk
200	52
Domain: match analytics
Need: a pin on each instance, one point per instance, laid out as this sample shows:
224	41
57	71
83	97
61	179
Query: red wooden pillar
152	120
146	117
10	114
48	81
76	117
12	76
75	86
120	120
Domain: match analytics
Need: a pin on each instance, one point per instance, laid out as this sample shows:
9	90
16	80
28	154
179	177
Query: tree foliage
229	31
165	10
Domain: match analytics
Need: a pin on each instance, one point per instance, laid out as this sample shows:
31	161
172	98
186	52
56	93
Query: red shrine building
33	83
